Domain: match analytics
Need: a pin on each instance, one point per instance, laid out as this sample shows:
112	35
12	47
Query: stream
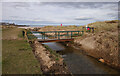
77	62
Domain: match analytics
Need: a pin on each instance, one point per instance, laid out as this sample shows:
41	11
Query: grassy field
17	55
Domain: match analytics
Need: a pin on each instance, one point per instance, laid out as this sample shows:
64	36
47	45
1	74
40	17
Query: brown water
78	63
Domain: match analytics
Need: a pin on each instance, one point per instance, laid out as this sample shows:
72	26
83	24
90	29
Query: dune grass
105	26
99	26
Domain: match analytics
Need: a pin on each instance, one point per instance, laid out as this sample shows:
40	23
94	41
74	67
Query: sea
51	25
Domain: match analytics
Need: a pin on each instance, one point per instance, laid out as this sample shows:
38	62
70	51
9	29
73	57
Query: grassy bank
17	55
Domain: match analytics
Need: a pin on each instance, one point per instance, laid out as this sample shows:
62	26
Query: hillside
103	43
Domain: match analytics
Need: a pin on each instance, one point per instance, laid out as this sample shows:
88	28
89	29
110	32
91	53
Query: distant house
4	23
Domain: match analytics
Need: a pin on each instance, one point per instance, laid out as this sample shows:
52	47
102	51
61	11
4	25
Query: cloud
20	4
83	18
80	4
59	0
59	12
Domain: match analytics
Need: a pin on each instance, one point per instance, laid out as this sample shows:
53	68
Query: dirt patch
12	33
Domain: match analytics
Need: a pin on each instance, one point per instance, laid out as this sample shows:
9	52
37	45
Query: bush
30	35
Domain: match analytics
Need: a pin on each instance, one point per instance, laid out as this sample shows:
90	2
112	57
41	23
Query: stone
101	60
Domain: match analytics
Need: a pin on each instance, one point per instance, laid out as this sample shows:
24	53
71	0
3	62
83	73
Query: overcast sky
35	13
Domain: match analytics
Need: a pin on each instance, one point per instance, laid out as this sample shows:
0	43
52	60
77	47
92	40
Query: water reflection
55	46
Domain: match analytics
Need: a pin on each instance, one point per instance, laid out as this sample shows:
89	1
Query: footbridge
58	36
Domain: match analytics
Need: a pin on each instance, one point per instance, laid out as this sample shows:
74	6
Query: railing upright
58	35
82	33
78	33
71	34
67	35
44	35
55	34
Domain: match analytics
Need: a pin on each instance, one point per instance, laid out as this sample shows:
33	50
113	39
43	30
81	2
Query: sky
54	13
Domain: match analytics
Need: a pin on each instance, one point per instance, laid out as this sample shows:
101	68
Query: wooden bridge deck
54	40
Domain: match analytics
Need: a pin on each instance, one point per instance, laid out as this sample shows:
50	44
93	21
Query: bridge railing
60	34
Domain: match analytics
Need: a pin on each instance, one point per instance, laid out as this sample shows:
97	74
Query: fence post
26	35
